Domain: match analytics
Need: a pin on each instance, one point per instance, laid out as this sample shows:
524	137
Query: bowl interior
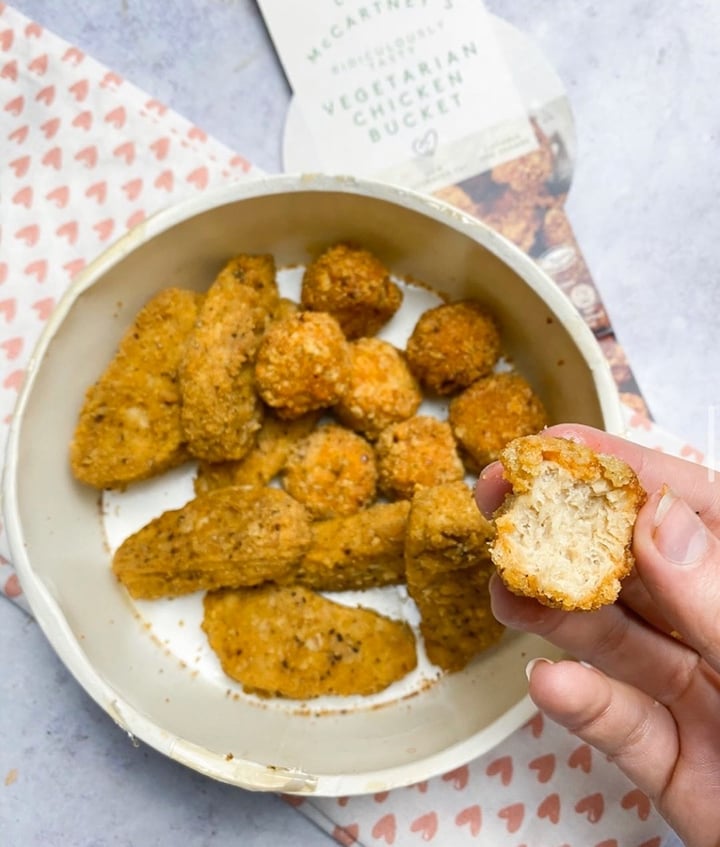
56	532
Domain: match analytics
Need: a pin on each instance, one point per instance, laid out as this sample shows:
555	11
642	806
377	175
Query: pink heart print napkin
85	156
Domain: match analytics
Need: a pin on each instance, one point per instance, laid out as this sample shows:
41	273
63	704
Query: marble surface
641	77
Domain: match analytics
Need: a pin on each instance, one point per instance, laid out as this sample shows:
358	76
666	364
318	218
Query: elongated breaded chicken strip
291	642
230	537
448	568
221	411
129	426
364	550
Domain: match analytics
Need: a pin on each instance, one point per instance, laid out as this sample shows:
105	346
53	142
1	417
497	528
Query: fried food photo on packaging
448	569
227	538
291	642
129	427
303	364
352	285
221	411
331	472
564	533
380	390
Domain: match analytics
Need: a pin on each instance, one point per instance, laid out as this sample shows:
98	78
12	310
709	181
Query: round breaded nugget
303	364
331	472
453	345
490	413
418	452
380	391
353	286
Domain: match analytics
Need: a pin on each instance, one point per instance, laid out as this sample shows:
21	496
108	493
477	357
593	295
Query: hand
649	697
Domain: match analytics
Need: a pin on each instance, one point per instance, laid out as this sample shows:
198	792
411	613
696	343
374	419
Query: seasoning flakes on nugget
221	411
129	426
365	550
303	364
331	472
227	538
354	287
380	389
564	536
448	569
490	413
453	345
291	642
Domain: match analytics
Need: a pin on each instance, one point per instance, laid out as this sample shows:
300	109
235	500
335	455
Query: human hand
651	698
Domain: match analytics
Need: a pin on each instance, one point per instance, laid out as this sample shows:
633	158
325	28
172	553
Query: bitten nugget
353	286
129	426
490	413
291	642
365	550
453	345
331	472
564	536
417	452
221	411
227	538
380	390
303	364
448	569
267	458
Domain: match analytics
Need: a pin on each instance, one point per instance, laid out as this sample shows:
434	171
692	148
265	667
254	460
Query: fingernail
531	664
680	536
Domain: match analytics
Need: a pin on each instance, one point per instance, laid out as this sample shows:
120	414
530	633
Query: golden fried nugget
447	569
353	286
564	535
490	413
365	550
556	228
420	451
452	345
380	390
291	642
221	411
515	216
302	364
129	426
528	173
228	538
331	472
275	440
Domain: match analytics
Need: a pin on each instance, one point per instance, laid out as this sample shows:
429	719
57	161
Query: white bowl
56	531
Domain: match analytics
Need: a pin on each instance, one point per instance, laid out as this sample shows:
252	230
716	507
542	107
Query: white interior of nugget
569	534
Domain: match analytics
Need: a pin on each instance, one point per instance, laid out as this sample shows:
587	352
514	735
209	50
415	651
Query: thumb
678	560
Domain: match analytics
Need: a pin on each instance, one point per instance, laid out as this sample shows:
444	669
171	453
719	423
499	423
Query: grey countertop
642	80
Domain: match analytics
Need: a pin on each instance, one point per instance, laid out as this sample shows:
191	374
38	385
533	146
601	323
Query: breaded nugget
556	228
275	440
491	412
448	568
527	174
380	390
129	426
303	364
365	550
420	451
291	642
452	345
353	286
228	538
564	535
331	472
221	411
517	217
